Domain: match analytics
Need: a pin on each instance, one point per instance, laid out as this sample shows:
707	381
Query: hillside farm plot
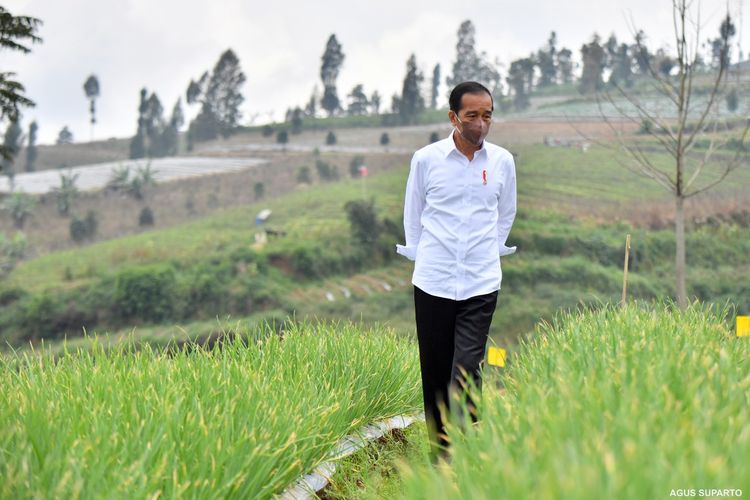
92	177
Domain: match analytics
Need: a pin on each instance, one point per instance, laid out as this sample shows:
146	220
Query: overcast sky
162	44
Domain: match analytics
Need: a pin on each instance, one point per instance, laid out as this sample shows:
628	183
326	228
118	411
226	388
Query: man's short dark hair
454	101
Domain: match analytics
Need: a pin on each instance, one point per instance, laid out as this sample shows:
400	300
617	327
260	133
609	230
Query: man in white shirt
459	207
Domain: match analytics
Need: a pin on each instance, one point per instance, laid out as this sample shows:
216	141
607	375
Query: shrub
145	292
303	175
354	165
78	229
259	189
146	217
326	171
331	138
434	137
385	139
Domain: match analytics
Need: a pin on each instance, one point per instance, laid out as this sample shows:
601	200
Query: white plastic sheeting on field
306	486
91	177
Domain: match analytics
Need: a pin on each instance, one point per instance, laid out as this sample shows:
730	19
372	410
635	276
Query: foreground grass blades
615	403
240	421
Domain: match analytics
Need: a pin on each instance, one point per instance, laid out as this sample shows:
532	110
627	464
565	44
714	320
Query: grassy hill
570	232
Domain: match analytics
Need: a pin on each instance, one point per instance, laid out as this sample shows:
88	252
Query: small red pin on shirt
484	177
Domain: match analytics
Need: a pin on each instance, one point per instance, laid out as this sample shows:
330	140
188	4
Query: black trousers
452	338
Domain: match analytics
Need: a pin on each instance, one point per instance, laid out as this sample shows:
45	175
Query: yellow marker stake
743	326
496	356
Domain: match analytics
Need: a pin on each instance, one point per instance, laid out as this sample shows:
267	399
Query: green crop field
242	420
615	403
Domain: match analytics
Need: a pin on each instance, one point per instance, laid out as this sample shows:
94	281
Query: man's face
474	117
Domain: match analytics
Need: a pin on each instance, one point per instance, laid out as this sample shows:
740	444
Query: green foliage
326	171
330	138
11	251
363	220
220	98
66	194
20	206
82	229
146	217
31	151
333	58
356	162
117	398
259	189
385	139
282	137
267	131
412	101
16	32
592	397
303	175
145	293
733	100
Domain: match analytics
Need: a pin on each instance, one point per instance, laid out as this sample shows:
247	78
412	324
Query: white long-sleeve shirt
457	217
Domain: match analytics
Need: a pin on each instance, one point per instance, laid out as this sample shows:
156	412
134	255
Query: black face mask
474	134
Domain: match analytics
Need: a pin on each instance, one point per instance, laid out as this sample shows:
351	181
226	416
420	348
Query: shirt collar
450	146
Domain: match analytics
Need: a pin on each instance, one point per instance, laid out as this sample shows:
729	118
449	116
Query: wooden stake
625	271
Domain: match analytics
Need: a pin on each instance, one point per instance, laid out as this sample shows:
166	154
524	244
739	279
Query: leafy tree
375	102
171	134
220	97
519	82
91	88
358	102
333	58
721	46
412	102
138	142
363	221
282	138
16	33
154	127
470	65
546	59
297	120
565	66
66	194
641	54
593	66
622	66
733	100
31	152
435	86
12	144
312	105
65	136
20	206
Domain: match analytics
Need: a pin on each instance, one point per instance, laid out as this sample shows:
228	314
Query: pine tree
593	65
412	102
297	120
65	136
171	135
91	88
435	86
224	93
16	32
332	58
31	152
358	102
470	65
138	142
565	66
12	143
546	61
375	103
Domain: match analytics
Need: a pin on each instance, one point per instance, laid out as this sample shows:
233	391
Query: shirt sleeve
506	208
414	203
